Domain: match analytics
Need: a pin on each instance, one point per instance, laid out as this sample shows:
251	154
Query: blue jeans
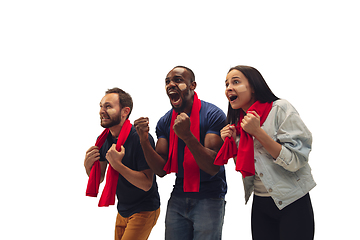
194	219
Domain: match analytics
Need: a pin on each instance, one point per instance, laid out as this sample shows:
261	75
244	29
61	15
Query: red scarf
245	153
191	169
112	176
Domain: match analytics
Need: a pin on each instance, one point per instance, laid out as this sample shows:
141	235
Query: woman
269	130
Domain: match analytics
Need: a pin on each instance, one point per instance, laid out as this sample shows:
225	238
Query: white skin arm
93	155
141	179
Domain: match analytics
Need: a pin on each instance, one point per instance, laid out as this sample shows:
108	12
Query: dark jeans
188	219
294	222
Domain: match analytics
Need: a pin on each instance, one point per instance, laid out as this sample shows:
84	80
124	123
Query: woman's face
238	90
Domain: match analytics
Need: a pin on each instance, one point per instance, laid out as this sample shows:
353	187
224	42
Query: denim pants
198	219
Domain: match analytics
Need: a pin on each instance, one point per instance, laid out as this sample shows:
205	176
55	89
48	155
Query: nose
170	84
229	87
102	110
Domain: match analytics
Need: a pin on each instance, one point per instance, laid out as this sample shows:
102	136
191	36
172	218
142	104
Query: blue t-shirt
212	120
132	199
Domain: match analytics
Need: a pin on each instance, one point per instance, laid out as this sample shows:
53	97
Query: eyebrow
176	76
233	78
105	103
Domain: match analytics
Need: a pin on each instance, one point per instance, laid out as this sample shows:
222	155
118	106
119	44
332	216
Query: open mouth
105	117
232	98
174	97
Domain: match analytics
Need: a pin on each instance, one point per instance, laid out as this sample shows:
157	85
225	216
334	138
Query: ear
192	85
125	111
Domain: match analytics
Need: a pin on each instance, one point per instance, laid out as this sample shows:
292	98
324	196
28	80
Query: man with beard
188	142
136	189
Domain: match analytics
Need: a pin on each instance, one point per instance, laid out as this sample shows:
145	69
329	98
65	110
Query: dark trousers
294	222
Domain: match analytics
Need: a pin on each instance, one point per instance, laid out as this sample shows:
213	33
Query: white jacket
288	177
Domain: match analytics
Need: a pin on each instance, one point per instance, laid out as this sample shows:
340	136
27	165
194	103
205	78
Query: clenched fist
142	128
251	123
182	126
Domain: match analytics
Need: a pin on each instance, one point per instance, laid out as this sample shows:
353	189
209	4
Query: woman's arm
251	125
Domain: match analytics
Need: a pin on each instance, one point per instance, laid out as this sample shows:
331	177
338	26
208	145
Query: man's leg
120	226
139	225
177	224
208	216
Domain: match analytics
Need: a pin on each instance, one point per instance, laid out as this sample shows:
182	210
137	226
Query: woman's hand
228	131
251	123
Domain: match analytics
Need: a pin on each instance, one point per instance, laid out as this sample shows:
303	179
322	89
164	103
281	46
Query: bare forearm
137	178
153	159
204	156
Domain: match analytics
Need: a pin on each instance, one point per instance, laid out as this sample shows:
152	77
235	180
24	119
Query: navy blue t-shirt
132	199
212	120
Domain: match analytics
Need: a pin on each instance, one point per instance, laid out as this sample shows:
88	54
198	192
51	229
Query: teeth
172	92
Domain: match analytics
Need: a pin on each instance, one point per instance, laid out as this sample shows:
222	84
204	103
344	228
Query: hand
114	157
251	123
228	131
142	128
92	155
182	126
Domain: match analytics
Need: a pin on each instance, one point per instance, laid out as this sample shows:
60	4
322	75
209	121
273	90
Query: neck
189	105
115	130
246	108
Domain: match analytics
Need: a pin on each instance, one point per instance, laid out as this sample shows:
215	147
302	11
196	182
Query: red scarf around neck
112	176
191	169
245	153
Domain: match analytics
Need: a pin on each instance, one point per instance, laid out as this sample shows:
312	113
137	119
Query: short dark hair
261	90
125	99
192	75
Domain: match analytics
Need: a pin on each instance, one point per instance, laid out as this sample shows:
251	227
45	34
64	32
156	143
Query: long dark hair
262	91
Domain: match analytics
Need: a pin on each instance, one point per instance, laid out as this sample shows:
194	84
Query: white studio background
57	58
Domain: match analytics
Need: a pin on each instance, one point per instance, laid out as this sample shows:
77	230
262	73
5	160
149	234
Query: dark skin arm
157	158
204	155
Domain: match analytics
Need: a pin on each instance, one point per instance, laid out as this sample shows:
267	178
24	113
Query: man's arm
204	155
141	179
93	155
156	159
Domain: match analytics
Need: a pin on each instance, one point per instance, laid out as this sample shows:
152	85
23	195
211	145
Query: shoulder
284	106
212	112
134	136
166	119
210	108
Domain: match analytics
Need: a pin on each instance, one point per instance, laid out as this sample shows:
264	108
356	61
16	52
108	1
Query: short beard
114	122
